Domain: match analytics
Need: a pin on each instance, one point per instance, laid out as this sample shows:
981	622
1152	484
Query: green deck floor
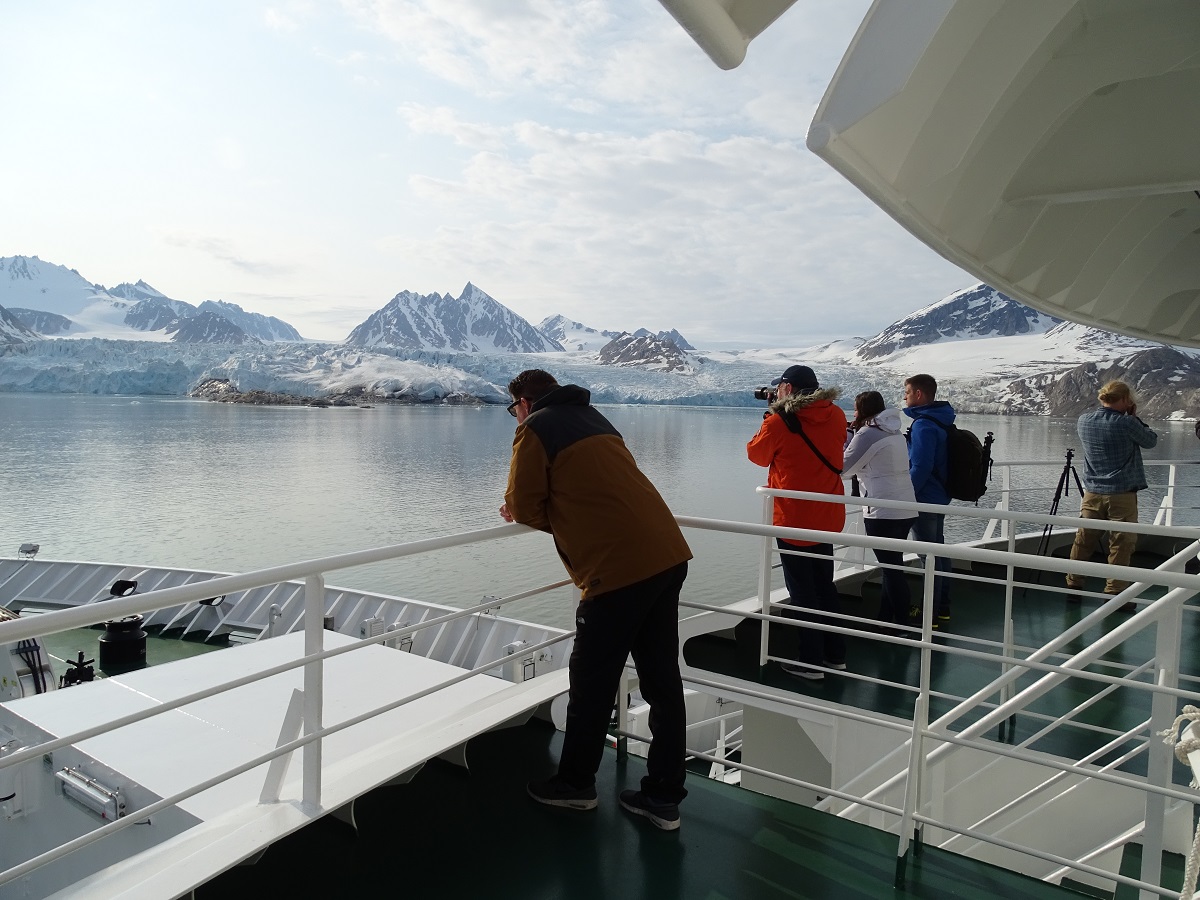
67	645
451	834
977	611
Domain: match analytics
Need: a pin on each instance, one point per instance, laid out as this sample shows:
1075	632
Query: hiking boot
556	792
802	672
664	815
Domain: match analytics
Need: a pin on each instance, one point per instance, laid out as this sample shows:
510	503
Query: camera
765	393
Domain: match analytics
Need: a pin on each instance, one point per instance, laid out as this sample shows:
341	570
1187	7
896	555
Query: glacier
102	366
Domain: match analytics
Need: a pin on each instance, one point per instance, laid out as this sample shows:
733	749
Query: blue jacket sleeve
921	453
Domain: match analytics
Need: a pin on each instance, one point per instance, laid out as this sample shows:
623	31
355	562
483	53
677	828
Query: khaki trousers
1113	508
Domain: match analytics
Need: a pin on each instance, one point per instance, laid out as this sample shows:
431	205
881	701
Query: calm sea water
185	483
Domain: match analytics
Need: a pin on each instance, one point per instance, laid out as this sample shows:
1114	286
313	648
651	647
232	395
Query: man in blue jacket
927	467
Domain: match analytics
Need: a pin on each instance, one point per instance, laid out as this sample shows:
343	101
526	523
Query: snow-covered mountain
140	291
979	311
27	282
42	324
989	362
12	329
1165	380
673	336
573	335
473	322
266	328
646	351
208	327
53	300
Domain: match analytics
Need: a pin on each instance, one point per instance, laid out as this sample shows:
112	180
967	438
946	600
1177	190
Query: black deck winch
123	645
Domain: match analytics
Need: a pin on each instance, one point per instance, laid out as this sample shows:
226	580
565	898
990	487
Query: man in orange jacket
801	440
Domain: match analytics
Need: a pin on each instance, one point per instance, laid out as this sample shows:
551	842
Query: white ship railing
1165	691
1165	613
310	741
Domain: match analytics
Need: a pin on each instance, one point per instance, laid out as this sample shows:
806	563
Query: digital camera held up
766	393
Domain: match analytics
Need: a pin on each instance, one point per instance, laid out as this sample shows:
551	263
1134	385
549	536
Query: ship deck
454	833
1039	615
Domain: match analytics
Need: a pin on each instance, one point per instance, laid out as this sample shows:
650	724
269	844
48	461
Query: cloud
657	227
446	122
225	252
290	16
489	46
575	157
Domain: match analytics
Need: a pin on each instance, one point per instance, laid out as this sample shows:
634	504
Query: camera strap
792	421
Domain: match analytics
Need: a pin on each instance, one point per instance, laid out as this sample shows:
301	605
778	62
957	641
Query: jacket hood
888	421
938	409
567	394
796	402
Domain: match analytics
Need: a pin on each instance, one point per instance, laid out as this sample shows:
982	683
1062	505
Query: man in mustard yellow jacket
572	475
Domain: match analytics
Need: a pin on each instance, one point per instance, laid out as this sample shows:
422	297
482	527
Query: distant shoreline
222	390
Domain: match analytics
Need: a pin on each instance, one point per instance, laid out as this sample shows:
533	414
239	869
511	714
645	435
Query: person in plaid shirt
1112	437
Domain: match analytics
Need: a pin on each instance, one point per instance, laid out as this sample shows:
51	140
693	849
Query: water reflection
231	488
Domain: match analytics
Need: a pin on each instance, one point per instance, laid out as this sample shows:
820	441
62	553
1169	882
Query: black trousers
896	599
809	583
643	620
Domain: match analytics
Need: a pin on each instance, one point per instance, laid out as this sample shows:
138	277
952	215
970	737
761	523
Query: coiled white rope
1182	749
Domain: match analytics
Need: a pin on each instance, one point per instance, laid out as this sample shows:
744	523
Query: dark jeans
931	528
643	620
809	582
895	601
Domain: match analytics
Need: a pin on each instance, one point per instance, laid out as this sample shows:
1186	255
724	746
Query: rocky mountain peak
474	322
977	311
208	328
673	336
645	352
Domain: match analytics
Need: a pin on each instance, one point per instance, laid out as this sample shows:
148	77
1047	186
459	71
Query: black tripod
1062	488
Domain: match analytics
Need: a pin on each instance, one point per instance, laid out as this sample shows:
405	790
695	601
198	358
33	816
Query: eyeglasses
512	407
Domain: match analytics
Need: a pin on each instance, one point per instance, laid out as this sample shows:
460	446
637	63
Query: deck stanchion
623	714
314	642
910	836
764	582
1159	756
1006	692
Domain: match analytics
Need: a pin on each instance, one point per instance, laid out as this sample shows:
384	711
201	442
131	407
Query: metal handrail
165	706
315	731
1179	588
134	604
306	740
1180	585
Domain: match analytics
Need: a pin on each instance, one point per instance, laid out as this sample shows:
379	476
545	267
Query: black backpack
968	462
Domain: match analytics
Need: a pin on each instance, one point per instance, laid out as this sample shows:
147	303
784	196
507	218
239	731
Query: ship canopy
1048	148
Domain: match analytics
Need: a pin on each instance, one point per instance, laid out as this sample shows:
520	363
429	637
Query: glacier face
133	367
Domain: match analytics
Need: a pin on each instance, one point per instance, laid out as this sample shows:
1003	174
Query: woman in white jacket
878	454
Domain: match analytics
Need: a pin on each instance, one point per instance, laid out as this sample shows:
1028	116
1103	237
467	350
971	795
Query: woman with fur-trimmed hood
801	441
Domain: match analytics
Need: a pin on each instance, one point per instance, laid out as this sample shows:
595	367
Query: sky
310	159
